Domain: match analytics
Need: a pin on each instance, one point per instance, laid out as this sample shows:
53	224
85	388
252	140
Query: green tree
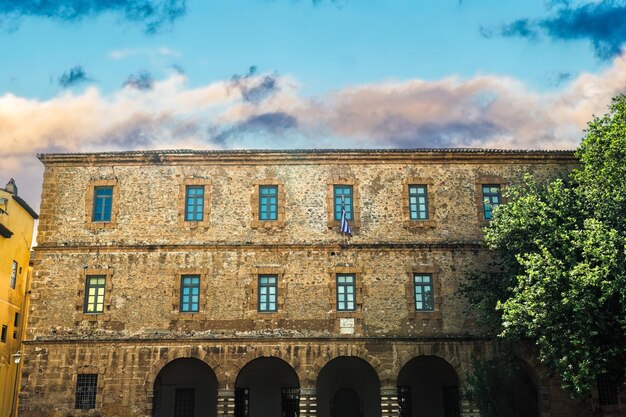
561	248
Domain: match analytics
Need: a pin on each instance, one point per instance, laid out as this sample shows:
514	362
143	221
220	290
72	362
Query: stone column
225	402
389	402
308	402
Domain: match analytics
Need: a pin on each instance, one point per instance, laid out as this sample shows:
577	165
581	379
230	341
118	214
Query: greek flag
345	226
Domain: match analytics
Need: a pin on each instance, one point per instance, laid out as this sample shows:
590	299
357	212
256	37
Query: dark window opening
3	336
451	401
608	390
290	402
86	387
404	401
184	401
242	402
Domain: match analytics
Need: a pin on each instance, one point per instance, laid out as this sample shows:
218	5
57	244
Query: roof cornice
308	156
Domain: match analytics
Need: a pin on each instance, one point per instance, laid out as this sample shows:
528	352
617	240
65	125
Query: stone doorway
185	387
428	386
267	387
348	386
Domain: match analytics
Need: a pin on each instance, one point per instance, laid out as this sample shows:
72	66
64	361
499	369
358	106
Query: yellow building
17	220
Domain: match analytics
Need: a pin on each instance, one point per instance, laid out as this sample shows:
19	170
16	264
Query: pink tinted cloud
484	111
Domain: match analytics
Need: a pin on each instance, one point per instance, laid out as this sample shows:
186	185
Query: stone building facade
217	283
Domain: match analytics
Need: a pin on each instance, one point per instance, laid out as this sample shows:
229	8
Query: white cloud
484	111
162	51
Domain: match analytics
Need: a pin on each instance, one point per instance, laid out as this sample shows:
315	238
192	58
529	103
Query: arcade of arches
345	386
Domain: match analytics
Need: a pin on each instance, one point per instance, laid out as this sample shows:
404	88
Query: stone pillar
308	402
225	402
389	402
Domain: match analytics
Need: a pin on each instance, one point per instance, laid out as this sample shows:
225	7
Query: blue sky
92	75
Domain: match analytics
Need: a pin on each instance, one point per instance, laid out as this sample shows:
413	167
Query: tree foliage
562	249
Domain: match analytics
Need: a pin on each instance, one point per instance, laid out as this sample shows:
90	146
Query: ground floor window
242	402
404	401
290	402
86	387
451	401
184	402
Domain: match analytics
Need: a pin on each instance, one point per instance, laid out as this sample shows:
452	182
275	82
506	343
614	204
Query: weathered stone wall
128	370
150	199
147	245
142	296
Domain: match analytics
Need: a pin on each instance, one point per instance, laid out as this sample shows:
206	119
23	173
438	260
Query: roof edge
19	200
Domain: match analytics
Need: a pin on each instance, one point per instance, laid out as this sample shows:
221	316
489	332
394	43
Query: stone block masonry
379	336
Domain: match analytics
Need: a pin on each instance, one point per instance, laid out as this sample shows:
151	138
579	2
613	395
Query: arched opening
505	385
348	386
267	387
428	386
185	387
522	389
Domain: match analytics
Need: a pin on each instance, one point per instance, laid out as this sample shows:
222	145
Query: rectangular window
16	320
94	294
451	401
102	204
268	202
346	289
184	402
13	274
404	401
268	291
343	199
194	203
491	199
608	390
242	402
423	290
3	335
190	294
418	202
290	401
86	387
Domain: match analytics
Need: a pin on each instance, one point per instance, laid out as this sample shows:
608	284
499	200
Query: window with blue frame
268	293
423	291
491	199
102	204
268	202
346	292
343	199
418	202
194	203
190	294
